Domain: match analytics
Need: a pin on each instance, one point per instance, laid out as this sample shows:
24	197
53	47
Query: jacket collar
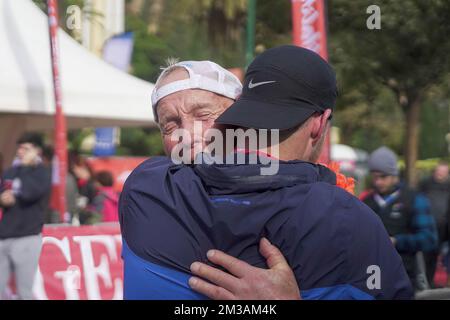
244	178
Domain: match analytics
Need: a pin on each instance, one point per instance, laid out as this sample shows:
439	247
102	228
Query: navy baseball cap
283	87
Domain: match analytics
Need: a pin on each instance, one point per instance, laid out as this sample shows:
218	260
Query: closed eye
169	127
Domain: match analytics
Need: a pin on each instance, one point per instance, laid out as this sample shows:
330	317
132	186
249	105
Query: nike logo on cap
252	85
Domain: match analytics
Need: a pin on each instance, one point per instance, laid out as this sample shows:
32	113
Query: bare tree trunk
155	14
412	113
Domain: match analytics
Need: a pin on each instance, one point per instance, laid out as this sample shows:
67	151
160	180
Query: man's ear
319	125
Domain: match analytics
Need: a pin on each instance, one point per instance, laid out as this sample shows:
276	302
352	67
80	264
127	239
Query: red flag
309	31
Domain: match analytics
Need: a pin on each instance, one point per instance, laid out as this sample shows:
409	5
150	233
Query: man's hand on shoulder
245	282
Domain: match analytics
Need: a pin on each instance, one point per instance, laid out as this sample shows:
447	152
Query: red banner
309	31
79	263
120	167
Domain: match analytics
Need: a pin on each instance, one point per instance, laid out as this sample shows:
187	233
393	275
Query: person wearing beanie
384	160
405	213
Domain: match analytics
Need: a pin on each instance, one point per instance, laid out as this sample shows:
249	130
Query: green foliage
149	52
435	118
410	50
367	124
181	34
273	24
76	137
407	57
140	142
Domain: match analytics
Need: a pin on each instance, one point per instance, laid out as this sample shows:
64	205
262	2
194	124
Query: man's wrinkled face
382	182
181	109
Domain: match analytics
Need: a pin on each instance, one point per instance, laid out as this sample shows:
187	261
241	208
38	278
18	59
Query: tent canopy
93	92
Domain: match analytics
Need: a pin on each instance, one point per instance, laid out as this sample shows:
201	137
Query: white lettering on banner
311	39
38	286
93	272
118	285
70	276
71	279
64	246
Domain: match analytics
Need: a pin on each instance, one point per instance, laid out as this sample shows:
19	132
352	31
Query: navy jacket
31	185
171	215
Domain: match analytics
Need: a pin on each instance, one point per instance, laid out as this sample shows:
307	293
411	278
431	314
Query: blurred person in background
404	213
1	174
106	201
437	189
24	192
1	166
84	177
51	215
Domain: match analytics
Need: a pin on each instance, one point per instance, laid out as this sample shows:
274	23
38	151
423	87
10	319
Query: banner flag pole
60	134
309	31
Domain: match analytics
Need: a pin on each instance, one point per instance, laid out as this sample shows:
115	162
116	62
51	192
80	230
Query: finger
215	276
235	266
210	290
273	255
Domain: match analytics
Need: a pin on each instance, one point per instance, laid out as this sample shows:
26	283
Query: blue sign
105	139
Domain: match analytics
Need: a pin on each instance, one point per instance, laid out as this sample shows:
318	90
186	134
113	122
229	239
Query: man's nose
195	129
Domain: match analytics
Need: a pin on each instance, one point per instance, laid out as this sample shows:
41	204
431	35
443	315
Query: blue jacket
171	215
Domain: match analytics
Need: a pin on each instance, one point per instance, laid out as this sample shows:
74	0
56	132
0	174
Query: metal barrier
433	294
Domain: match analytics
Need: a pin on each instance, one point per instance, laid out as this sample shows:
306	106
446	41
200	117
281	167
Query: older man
171	215
213	90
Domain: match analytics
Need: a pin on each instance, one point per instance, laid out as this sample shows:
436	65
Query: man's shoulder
154	163
334	212
361	212
151	168
342	199
159	176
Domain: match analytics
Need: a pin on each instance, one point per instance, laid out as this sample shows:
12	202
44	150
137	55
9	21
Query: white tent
93	92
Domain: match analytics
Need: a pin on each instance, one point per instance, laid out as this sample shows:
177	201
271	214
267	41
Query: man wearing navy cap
173	214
